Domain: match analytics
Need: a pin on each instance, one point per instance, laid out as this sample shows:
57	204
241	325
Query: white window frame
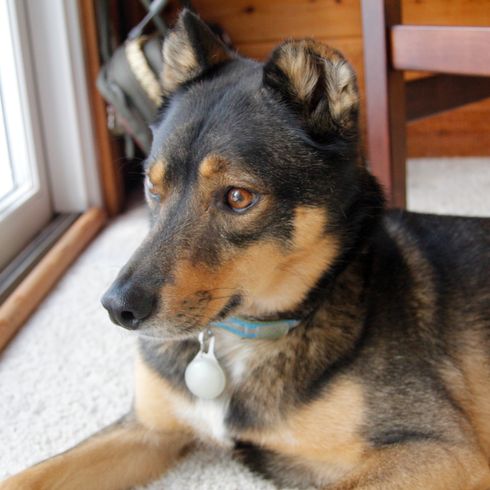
64	104
26	209
54	81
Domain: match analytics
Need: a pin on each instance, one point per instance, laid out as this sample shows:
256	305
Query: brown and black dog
262	209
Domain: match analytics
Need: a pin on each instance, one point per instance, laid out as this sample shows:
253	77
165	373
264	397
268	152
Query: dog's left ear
189	50
319	83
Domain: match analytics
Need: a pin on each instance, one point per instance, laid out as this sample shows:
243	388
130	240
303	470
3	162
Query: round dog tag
203	375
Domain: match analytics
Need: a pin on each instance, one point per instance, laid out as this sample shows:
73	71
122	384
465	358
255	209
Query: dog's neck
251	328
296	366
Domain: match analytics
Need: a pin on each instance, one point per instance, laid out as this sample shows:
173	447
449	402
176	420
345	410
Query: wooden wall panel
272	20
266	20
107	151
447	12
462	132
257	26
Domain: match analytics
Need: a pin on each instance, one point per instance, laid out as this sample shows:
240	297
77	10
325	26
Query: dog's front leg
421	466
131	452
123	455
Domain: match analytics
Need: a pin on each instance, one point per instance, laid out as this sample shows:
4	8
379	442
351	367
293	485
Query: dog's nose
128	306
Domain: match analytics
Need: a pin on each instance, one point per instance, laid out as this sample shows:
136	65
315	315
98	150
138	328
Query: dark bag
130	84
129	80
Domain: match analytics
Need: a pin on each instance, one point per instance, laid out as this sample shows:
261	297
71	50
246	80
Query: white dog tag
203	375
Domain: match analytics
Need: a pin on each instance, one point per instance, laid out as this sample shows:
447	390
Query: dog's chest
322	435
206	418
161	392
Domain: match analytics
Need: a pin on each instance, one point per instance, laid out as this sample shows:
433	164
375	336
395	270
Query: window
25	205
48	158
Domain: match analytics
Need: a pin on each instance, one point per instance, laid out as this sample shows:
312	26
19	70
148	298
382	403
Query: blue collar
255	329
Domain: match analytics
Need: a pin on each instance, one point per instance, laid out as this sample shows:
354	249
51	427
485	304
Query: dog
281	310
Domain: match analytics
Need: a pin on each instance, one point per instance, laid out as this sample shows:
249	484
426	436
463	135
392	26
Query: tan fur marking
211	165
279	280
156	177
325	431
469	384
309	226
299	68
157	173
179	61
152	405
420	466
325	437
190	281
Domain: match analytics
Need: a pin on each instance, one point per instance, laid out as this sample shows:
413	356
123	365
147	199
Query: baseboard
27	296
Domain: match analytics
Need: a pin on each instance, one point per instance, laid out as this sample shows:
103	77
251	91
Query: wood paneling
446	12
108	154
251	21
440	93
462	132
257	26
272	20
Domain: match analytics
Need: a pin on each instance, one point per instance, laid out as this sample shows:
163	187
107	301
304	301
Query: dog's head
255	184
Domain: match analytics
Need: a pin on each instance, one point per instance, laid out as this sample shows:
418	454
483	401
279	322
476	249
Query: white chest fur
207	417
156	401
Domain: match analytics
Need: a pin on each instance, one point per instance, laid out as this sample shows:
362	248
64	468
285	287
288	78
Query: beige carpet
68	373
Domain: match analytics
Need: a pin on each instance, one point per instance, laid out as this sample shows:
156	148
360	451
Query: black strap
154	9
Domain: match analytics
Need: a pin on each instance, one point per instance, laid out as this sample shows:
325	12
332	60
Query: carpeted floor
69	371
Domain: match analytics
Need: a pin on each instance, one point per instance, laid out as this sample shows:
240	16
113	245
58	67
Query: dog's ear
319	83
189	49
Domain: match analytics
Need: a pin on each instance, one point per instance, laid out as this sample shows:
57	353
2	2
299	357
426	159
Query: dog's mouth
162	336
154	328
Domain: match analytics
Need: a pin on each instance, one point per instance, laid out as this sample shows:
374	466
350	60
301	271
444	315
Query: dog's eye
239	199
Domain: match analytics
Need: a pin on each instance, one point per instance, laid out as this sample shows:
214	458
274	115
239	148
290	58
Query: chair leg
385	100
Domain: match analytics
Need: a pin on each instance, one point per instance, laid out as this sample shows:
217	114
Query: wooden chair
460	57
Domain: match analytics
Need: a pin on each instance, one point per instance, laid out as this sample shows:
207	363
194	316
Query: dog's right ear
189	50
